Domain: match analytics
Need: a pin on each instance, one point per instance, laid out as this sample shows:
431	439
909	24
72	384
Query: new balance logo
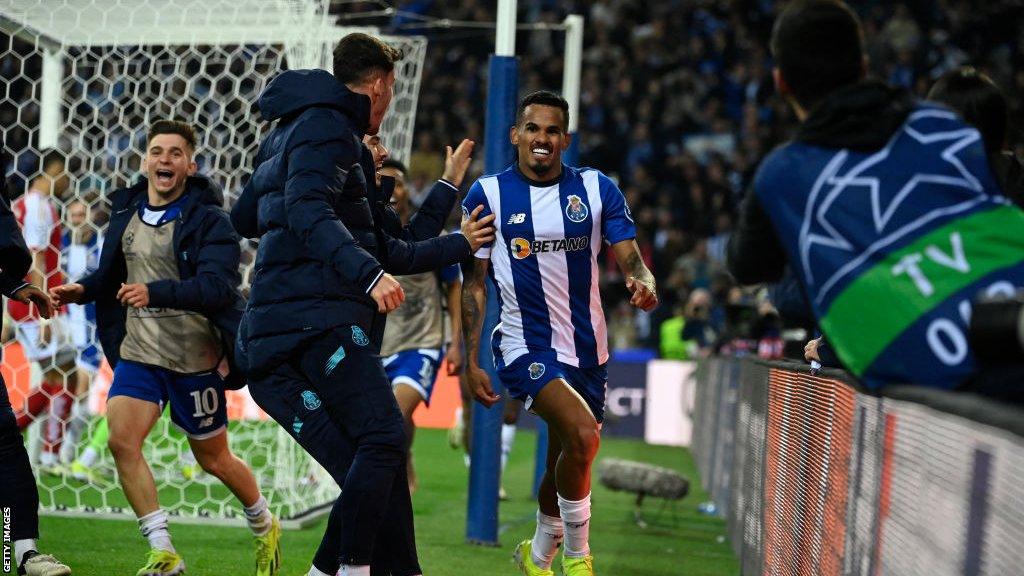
517	218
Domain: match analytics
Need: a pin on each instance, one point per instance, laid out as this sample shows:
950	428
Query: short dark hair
544	98
179	127
978	100
358	56
396	164
818	47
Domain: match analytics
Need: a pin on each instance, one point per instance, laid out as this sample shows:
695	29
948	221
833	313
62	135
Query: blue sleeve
616	220
404	257
243	213
474	198
429	220
451	274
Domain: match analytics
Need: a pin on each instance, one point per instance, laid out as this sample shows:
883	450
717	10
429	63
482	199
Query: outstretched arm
474	307
639	279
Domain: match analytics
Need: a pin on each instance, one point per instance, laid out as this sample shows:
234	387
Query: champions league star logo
359	337
310	400
576	210
536	370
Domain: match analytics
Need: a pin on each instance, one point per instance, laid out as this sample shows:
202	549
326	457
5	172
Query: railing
816	476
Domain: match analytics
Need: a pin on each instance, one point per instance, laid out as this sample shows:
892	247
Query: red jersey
40	225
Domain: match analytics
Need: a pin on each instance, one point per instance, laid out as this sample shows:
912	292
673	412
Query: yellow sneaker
525	561
580	566
162	563
268	550
84	473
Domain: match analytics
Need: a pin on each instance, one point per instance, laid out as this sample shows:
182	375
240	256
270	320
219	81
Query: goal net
85	78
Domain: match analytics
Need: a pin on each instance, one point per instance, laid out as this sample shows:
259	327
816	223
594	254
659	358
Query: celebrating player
312	328
551	346
167	304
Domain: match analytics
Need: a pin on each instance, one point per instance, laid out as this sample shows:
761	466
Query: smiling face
540	138
168	164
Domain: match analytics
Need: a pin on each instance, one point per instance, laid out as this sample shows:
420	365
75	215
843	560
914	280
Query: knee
216	465
581	441
123	447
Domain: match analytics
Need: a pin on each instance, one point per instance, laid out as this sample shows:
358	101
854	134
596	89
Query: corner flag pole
485	467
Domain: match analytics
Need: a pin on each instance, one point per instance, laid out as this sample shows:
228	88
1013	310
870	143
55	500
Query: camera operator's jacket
326	233
891	218
207	252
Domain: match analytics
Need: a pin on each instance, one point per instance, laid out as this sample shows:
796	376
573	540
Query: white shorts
59	350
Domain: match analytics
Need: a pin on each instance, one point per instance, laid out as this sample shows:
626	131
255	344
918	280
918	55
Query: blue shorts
416	368
526	375
198	405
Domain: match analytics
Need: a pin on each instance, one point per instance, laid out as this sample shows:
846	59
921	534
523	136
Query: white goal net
84	78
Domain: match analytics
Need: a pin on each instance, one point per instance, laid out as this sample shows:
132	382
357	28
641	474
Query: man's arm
639	279
455	354
754	253
406	257
474	308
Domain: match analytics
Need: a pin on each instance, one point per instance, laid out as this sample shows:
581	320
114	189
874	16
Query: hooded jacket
207	251
326	234
893	222
14	255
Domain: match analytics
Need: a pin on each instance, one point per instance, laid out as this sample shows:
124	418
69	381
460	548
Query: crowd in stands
677	105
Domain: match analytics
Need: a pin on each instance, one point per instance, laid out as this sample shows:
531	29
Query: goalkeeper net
85	78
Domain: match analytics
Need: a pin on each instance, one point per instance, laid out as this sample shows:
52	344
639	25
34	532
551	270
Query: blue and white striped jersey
545	266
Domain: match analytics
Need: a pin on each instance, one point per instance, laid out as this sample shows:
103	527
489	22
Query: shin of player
551	346
167	302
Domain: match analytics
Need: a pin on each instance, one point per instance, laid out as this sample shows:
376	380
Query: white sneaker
43	565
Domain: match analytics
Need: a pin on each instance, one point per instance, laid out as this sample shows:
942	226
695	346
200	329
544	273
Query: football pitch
674	543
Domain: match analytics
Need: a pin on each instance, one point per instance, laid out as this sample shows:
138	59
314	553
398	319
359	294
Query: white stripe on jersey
546	215
593	188
513	345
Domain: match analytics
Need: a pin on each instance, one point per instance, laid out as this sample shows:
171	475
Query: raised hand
456	163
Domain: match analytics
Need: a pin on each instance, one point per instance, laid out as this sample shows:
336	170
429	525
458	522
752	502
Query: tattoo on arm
474	304
636	268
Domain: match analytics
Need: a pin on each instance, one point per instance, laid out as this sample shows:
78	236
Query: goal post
86	77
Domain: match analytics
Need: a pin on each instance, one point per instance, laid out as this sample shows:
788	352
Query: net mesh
85	78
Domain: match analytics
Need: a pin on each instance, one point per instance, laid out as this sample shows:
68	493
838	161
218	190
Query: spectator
888	279
981	103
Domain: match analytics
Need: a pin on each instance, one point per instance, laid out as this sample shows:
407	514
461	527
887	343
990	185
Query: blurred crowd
677	105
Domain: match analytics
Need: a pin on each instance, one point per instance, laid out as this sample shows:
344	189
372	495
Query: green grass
688	543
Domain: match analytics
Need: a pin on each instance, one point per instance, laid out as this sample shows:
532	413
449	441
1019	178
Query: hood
861	117
295	90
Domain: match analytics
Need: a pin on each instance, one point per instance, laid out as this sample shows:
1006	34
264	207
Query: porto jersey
544	260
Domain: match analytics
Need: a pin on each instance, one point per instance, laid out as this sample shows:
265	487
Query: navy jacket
208	253
14	256
326	234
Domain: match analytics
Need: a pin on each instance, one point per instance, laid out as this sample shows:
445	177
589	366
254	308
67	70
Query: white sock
508	436
467	460
47	459
546	539
576	516
154	528
21	547
314	571
88	457
258	517
346	570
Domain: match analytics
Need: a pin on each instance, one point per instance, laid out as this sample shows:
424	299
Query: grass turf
673	544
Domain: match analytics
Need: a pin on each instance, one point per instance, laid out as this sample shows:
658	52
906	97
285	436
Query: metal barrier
817	477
